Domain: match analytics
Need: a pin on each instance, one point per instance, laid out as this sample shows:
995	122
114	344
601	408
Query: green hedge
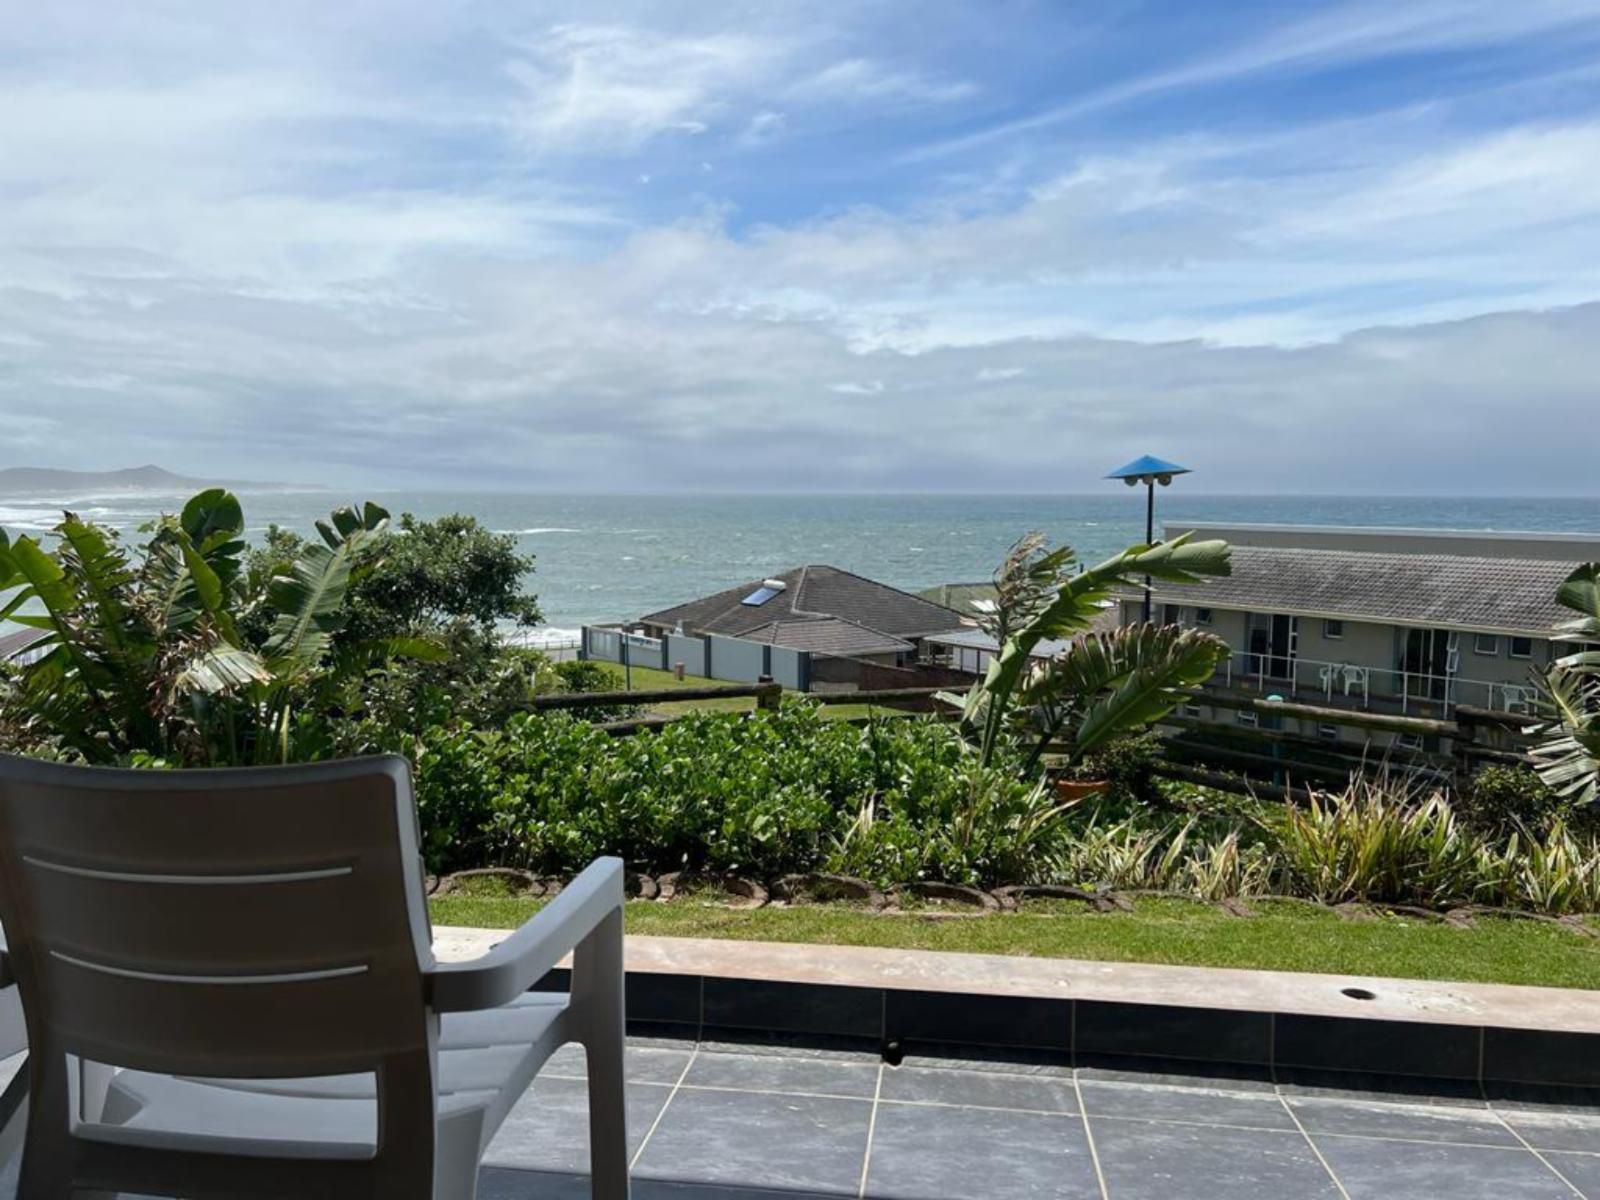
788	791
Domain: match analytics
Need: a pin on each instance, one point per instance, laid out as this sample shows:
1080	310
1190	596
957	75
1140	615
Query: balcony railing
1354	683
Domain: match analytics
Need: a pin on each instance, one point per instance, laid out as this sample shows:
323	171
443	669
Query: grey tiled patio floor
715	1121
730	1122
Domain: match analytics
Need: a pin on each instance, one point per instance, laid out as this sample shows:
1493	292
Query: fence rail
1266	757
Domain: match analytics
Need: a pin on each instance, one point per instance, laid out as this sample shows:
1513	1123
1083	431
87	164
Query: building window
1246	717
1520	647
1333	630
1328	732
1190	710
1172	614
1486	644
1202	616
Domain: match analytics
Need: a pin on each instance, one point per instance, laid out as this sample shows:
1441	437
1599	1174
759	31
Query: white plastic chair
1355	677
230	992
1519	697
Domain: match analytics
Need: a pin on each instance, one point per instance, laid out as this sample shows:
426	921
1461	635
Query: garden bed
1279	935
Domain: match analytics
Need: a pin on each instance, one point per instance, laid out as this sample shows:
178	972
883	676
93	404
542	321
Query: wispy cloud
858	79
1365	30
606	90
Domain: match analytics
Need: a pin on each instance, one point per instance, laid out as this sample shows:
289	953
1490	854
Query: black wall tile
1172	1032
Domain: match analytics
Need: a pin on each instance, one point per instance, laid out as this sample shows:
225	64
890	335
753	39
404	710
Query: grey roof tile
828	635
1444	590
812	592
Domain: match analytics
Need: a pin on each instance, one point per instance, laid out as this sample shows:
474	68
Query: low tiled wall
1275	1024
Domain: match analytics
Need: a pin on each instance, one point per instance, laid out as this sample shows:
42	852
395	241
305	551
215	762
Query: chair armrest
519	962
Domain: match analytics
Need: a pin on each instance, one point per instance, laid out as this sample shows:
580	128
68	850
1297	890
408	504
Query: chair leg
47	1166
598	979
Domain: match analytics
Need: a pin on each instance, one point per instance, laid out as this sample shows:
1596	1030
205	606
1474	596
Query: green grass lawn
649	679
1282	936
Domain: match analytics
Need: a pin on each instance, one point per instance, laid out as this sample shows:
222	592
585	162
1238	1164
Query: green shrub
1377	842
1127	764
585	675
759	795
1503	800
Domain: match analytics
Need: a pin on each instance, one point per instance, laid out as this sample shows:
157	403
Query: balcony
1354	685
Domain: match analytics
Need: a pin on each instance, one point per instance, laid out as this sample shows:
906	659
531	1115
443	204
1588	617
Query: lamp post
1148	471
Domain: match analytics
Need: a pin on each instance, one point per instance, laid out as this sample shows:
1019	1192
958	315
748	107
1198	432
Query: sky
1342	247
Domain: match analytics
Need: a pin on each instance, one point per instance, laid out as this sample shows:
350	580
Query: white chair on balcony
1355	679
230	992
1519	697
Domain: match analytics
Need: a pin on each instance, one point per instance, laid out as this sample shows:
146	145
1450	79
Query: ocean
603	558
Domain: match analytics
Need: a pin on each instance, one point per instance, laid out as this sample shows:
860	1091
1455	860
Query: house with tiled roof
820	609
1387	620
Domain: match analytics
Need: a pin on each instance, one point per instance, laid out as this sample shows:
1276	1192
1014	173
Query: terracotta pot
1079	789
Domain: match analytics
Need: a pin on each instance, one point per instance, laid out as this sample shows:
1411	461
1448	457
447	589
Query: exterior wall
790	668
733	659
690	651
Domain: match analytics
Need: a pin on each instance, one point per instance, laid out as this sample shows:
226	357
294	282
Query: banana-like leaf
209	587
1581	593
44	575
345	523
1074	609
212	512
221	669
1569	758
103	576
1136	676
310	601
10	577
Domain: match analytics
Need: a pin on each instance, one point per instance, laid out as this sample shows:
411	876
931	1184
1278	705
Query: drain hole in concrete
1358	993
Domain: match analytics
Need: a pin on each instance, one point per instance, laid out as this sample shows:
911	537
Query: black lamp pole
1149	535
1148	471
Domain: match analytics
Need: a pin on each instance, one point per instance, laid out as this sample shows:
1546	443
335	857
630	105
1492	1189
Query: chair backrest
259	923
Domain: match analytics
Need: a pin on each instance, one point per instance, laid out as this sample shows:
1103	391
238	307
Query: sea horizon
616	556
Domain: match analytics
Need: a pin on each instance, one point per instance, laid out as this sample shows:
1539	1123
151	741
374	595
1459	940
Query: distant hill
47	480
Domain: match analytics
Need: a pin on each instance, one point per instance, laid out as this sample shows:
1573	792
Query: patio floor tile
548	1129
1416	1122
1382	1170
1204	1106
797	1143
980	1089
644	1063
1581	1170
783	1074
1557	1130
920	1152
1147	1161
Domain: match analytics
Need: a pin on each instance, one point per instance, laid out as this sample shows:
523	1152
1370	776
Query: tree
1104	684
425	576
144	658
1569	758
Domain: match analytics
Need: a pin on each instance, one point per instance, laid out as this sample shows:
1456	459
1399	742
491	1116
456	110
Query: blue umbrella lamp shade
1148	469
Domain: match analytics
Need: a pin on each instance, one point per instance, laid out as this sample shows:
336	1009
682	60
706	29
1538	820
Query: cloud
607	90
1358	31
427	257
861	79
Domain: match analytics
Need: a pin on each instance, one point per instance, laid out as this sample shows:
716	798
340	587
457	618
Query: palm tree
1104	684
1569	758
